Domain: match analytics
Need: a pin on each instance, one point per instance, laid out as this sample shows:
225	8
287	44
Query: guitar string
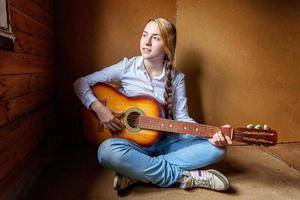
132	120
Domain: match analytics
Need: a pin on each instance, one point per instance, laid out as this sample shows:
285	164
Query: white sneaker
211	179
122	182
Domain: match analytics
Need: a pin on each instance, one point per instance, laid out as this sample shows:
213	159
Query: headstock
255	136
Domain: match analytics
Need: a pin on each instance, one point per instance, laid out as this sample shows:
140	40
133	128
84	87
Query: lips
146	50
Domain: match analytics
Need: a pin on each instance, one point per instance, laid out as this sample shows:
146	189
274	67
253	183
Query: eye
156	38
144	35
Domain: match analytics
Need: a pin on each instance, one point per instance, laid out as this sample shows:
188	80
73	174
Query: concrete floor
254	173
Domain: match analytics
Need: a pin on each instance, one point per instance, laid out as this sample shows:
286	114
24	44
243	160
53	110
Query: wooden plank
46	5
32	9
23	23
18	63
12	132
15	185
31	45
23	131
17	85
25	173
13	85
13	108
42	80
3	109
9	158
17	152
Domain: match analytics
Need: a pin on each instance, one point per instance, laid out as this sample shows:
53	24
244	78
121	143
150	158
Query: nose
148	41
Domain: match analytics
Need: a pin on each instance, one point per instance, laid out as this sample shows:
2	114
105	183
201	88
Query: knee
104	149
218	153
110	151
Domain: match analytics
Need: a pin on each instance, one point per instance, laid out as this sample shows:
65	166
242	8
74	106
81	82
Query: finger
211	140
119	124
117	113
221	137
215	139
115	125
110	127
105	125
249	126
226	126
229	141
218	138
117	121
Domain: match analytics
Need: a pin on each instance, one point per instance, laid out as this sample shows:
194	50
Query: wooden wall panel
16	107
24	83
42	80
20	83
46	5
30	138
11	133
31	45
32	9
15	184
18	63
21	22
27	97
31	36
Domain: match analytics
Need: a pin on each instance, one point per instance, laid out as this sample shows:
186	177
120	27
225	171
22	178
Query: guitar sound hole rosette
131	119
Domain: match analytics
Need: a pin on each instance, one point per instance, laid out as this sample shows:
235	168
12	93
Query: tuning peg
266	127
249	126
258	126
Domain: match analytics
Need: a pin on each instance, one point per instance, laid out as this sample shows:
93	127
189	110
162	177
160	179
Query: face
151	43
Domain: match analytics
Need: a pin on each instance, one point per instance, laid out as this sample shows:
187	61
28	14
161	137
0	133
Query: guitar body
113	99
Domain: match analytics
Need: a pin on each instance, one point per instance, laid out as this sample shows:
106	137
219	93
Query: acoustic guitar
144	123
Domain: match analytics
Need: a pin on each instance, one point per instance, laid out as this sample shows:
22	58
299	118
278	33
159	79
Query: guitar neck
167	125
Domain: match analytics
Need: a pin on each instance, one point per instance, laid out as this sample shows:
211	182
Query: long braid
168	34
168	90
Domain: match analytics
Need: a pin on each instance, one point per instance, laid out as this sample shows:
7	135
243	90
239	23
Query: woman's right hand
108	118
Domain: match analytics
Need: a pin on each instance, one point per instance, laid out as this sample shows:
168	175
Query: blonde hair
168	34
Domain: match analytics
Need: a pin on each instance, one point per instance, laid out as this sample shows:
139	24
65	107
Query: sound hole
133	119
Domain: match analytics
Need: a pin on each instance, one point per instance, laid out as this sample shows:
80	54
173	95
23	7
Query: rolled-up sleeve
82	86
180	101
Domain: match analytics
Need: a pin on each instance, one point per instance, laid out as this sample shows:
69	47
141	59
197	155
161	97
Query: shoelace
202	182
191	182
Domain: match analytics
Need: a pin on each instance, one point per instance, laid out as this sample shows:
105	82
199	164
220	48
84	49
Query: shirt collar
141	66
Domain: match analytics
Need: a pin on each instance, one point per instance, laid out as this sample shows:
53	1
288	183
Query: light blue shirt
135	80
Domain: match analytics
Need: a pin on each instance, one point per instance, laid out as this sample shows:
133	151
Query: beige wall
95	34
242	62
240	57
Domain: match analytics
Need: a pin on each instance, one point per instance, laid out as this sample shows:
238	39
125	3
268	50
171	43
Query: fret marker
170	125
197	129
162	124
184	127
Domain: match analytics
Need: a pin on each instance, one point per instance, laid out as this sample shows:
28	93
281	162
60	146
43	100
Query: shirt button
155	94
152	84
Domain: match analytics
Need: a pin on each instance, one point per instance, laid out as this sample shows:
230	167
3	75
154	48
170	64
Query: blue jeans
163	162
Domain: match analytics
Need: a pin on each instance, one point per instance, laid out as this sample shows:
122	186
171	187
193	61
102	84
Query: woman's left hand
219	139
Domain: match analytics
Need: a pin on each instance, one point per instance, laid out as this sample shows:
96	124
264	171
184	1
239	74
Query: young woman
175	158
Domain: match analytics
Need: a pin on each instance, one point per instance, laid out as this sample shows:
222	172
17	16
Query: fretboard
166	125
